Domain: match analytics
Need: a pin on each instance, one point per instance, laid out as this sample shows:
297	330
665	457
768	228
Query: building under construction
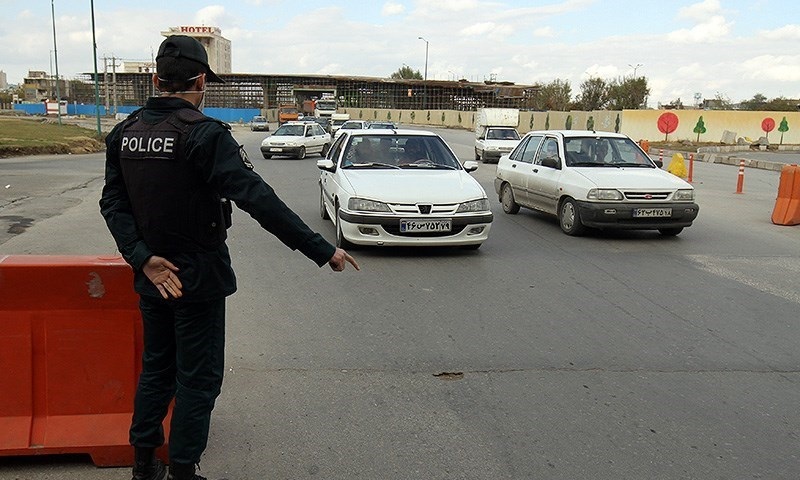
268	91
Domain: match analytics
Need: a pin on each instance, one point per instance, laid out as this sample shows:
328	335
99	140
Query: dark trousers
184	353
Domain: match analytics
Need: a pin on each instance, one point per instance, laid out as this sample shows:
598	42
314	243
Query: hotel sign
201	29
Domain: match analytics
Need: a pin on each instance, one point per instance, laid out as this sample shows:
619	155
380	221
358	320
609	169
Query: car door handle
535	170
513	165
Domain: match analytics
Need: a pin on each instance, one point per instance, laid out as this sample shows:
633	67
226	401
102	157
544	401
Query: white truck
325	106
495	133
337	120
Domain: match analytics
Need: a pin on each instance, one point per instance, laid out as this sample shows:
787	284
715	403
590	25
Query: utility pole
55	54
105	81
425	85
114	80
96	81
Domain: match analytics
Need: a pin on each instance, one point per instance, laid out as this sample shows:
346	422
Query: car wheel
301	154
670	232
477	156
325	149
507	199
267	156
341	242
569	219
323	212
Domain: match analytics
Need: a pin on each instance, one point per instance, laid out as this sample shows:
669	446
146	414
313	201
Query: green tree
406	73
783	128
547	122
758	102
568	123
699	128
593	96
616	124
628	93
555	95
590	123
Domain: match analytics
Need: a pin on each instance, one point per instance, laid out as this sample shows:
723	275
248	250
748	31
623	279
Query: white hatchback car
296	139
401	187
593	179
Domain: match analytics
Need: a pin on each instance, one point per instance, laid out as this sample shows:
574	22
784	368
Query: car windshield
290	131
605	152
399	152
259	120
326	105
502	134
352	125
288	110
382	125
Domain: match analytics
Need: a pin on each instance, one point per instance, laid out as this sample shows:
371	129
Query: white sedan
401	187
593	179
296	139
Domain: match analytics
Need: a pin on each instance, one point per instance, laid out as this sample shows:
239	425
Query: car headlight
291	144
363	205
491	147
604	194
481	205
685	194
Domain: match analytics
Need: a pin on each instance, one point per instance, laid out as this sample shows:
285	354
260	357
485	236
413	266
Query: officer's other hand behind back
340	259
164	276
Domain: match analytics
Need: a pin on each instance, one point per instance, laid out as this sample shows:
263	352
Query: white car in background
296	139
401	188
350	125
593	179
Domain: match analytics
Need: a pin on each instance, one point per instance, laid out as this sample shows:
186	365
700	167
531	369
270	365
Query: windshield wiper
630	164
371	165
427	165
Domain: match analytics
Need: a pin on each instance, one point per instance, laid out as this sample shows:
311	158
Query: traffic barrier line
70	348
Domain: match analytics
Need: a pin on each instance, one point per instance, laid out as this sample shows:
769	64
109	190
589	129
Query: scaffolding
269	91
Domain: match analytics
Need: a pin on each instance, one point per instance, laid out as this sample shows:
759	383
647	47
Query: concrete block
728	137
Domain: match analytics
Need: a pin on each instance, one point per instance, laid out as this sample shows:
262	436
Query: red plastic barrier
70	356
787	205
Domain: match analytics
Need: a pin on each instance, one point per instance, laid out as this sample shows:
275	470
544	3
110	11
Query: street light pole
96	80
635	67
425	85
55	54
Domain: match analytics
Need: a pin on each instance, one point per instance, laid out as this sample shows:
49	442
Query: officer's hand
340	259
161	272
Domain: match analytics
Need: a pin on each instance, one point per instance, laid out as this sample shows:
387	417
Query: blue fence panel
30	108
230	115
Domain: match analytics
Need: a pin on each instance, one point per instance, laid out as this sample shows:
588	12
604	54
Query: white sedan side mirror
470	165
325	164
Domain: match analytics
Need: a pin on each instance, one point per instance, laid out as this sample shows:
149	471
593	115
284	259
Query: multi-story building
38	86
3	80
217	46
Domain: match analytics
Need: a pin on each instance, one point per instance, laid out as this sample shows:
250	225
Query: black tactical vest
175	209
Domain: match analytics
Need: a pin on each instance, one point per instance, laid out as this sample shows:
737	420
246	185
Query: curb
723	159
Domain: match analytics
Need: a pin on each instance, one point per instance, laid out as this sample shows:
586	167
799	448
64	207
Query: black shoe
181	471
147	467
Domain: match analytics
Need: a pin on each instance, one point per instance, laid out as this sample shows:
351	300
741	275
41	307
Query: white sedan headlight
683	195
481	205
604	194
363	205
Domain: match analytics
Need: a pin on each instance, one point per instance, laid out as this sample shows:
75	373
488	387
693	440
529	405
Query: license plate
411	226
275	149
652	212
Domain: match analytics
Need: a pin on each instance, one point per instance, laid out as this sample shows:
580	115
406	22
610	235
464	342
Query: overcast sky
735	48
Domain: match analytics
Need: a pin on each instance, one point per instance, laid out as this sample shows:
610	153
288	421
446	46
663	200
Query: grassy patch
35	136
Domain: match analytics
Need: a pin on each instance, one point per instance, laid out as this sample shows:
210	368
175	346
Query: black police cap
183	46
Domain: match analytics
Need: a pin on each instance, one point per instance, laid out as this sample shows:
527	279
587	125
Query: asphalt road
540	356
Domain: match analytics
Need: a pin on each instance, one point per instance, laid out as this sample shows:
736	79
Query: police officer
171	173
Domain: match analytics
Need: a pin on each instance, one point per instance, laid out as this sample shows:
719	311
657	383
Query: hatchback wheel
301	154
507	199
569	219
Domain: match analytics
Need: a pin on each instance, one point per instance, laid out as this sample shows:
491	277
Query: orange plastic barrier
70	356
787	205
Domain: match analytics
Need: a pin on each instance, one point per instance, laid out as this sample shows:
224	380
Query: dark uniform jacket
215	168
